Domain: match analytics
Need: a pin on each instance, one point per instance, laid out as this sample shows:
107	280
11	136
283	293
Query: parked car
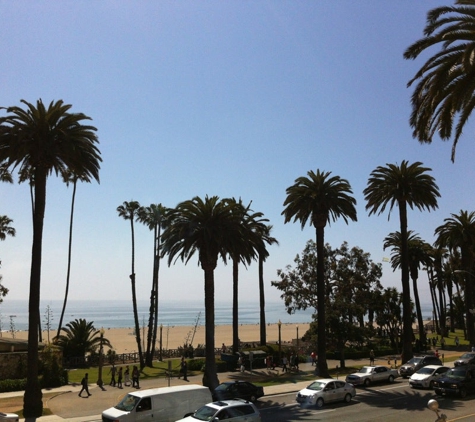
324	391
238	389
232	410
416	363
425	377
369	374
459	380
8	417
465	359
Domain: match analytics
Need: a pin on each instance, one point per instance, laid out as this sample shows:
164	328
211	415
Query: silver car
236	410
324	391
425	377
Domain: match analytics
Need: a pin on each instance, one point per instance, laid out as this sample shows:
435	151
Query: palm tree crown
445	83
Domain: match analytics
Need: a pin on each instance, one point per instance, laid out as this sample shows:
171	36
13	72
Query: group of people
125	374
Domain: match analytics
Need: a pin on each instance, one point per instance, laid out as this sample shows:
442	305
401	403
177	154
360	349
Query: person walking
371	357
135	377
183	368
284	364
112	373
85	387
127	376
119	378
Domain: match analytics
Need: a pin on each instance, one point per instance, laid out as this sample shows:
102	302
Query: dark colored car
238	389
416	363
465	359
458	381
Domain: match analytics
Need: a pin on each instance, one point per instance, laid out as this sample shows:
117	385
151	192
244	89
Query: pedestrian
442	343
85	387
313	357
119	378
242	368
223	348
268	363
183	369
127	376
135	377
292	361
457	341
436	353
284	364
112	373
371	357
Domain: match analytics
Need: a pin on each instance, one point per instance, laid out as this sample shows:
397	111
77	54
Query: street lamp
434	406
161	329
100	383
297	341
279	324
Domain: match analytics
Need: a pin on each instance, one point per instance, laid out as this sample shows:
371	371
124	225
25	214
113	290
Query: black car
238	389
465	359
457	381
417	363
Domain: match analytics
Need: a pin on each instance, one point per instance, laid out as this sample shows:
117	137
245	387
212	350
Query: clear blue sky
227	98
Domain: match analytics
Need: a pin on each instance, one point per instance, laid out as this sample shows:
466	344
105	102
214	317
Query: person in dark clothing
183	369
85	387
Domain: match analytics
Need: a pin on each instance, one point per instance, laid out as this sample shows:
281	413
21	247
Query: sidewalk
66	405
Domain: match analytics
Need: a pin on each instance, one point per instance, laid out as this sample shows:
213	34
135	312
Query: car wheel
391	379
253	398
319	403
347	398
366	382
463	393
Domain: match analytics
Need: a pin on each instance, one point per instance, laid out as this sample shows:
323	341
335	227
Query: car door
380	373
330	392
339	390
244	391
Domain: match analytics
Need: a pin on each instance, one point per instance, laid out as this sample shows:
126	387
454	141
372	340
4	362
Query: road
388	403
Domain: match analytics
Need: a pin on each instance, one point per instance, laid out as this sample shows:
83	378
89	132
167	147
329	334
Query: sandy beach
123	339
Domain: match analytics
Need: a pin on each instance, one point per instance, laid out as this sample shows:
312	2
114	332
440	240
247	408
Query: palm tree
6	229
458	233
419	254
69	177
213	229
80	337
407	184
445	83
154	217
128	211
41	140
263	231
320	197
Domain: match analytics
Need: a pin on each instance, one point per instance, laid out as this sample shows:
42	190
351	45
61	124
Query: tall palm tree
128	211
458	233
41	140
404	185
264	232
320	197
213	229
154	217
69	177
445	90
419	255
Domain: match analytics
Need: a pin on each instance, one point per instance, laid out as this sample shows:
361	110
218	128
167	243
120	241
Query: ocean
119	314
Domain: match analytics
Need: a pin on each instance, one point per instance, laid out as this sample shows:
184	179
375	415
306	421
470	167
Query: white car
369	374
425	377
236	410
8	417
324	391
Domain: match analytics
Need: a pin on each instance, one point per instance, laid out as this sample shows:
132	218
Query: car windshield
127	404
456	373
467	356
206	413
425	371
413	361
317	385
222	387
365	370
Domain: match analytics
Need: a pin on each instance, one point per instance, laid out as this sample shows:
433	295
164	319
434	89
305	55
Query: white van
166	404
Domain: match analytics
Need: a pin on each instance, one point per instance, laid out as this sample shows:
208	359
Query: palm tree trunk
153	298
235	305
32	400
68	272
210	377
134	299
321	329
155	326
262	303
408	334
420	321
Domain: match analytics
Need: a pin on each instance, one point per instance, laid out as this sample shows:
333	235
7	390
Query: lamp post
434	406
279	325
100	383
161	330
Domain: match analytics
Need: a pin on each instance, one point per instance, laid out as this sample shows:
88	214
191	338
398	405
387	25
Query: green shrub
196	364
12	385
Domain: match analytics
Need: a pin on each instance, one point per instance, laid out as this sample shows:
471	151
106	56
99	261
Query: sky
227	98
